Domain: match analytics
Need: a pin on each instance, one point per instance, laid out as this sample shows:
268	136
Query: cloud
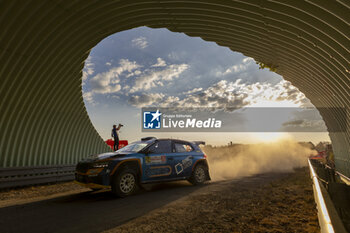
305	120
294	123
248	59
135	73
108	82
218	96
193	91
144	99
140	80
221	95
160	63
108	64
246	62
229	96
140	42
305	125
88	69
283	91
88	97
154	78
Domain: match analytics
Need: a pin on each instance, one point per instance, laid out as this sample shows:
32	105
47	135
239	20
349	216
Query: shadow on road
89	211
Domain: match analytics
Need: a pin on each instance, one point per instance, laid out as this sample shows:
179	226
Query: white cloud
88	97
135	73
108	82
248	59
283	91
140	42
160	63
155	78
232	69
88	69
246	62
230	95
192	91
145	99
222	95
108	64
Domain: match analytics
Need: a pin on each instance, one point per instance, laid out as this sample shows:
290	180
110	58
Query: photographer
115	136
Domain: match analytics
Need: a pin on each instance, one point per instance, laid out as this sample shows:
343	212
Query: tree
271	67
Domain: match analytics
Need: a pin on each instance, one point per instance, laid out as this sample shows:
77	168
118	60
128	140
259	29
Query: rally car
146	161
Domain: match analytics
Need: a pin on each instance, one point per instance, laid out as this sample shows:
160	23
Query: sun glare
270	137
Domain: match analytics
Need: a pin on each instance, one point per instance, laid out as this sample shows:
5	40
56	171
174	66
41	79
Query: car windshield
133	147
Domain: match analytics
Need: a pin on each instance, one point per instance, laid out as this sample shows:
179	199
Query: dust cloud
245	160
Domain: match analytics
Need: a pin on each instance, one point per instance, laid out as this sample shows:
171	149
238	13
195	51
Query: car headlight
98	165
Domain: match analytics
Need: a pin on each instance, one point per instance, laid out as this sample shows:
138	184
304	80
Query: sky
146	67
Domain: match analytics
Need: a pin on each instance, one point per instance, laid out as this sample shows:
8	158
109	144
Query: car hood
97	157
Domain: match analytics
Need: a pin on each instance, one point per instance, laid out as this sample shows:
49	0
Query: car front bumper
92	185
89	180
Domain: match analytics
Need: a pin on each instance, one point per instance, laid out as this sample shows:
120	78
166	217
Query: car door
157	164
182	159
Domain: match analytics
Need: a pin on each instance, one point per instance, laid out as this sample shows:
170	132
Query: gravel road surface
272	202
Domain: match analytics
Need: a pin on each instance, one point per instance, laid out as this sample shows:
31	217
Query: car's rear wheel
199	175
125	183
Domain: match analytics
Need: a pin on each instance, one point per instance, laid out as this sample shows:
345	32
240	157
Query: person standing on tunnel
115	136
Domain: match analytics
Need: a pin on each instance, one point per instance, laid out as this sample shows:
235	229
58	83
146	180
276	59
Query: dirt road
262	203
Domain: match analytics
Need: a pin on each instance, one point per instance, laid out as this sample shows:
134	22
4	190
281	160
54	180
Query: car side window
182	147
163	146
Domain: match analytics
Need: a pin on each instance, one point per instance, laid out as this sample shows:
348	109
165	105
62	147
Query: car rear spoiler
199	142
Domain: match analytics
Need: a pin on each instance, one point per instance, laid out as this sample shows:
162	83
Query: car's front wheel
199	174
125	183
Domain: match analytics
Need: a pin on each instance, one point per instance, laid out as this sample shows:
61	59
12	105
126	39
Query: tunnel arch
44	45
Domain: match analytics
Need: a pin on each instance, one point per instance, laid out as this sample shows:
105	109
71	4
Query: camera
121	125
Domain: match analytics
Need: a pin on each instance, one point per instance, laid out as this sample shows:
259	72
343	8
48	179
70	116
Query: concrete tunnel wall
43	44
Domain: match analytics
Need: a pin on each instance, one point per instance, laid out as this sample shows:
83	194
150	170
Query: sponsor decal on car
157	171
179	168
155	159
186	163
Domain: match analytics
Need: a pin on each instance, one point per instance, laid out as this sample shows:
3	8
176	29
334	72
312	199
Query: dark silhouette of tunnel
44	44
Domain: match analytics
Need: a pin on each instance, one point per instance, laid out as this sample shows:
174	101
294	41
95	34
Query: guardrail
345	179
323	181
23	176
323	215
